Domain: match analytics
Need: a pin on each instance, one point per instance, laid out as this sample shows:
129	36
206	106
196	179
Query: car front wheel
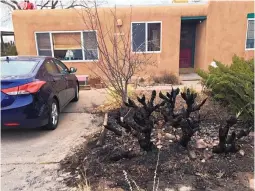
53	116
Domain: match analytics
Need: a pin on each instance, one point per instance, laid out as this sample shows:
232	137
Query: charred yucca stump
228	143
182	119
167	111
136	120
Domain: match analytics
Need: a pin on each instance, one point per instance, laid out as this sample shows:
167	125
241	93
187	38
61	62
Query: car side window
51	67
62	68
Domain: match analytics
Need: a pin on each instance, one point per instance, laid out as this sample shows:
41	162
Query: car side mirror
72	70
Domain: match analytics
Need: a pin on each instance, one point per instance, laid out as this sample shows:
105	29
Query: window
250	34
10	68
90	45
62	68
43	44
68	46
146	37
51	67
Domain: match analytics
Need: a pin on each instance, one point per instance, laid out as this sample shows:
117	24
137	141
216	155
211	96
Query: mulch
103	166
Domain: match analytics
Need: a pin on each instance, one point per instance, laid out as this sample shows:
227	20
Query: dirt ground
178	169
30	157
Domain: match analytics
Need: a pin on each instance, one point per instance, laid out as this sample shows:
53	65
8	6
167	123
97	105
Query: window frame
82	41
146	35
248	19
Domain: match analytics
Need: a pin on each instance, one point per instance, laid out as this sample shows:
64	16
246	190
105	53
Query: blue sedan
34	90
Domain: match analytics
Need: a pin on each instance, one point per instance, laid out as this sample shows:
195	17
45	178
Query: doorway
187	44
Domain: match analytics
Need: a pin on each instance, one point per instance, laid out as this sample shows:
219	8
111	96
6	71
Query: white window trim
146	33
248	19
82	48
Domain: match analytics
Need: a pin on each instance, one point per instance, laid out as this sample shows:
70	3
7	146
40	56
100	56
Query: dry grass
84	185
166	78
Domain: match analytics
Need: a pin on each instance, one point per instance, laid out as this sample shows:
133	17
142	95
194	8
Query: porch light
119	23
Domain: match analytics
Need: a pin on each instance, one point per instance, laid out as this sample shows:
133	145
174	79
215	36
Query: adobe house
184	36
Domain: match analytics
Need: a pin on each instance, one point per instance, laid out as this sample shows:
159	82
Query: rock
208	154
59	179
203	160
220	174
63	189
48	178
251	181
246	179
192	155
65	175
170	136
241	152
201	144
185	188
215	142
159	146
251	134
169	189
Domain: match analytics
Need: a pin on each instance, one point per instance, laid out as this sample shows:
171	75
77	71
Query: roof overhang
251	15
7	33
193	19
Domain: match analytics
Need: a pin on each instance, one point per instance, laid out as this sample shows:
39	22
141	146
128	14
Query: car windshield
17	67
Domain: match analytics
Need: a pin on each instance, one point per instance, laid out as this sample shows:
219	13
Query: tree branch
17	4
9	4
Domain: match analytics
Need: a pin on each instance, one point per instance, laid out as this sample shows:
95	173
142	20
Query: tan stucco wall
200	53
226	30
219	37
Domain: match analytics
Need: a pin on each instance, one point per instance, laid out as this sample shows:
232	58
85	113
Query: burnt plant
136	120
182	119
139	121
227	143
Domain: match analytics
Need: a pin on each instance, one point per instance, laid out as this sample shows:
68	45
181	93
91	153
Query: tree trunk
125	93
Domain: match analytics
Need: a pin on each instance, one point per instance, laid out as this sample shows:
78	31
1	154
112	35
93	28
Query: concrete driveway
30	158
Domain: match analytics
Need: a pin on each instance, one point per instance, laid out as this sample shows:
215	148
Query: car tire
76	97
53	116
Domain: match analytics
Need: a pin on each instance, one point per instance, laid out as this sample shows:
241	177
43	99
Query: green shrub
232	85
9	50
166	78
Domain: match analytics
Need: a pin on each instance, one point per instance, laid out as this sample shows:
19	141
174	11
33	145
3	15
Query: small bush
9	50
114	100
232	85
166	78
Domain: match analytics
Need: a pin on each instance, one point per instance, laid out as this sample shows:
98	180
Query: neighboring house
180	37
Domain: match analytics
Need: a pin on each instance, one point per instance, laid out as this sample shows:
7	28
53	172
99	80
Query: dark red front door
187	45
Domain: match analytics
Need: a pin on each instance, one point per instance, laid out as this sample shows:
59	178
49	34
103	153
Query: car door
71	83
57	81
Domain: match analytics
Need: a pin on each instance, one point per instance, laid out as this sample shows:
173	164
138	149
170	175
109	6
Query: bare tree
45	4
117	62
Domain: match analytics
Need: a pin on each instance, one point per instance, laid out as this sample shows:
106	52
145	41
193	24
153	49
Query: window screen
153	37
90	45
43	44
146	37
138	37
250	35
